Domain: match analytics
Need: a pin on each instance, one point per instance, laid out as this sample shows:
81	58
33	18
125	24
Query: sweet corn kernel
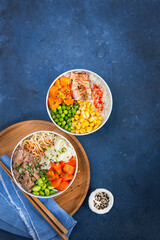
89	129
91	124
100	118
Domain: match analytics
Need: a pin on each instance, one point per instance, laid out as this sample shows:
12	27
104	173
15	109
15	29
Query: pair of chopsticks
50	218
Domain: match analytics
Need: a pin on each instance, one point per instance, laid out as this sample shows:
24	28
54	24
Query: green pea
65	112
69	120
63	123
54	116
63	107
56	120
50	187
58	115
69	115
36	193
46	192
63	104
41	193
62	115
59	107
44	186
55	110
69	129
61	119
60	111
73	110
52	191
66	118
68	108
70	112
70	124
66	127
59	123
36	188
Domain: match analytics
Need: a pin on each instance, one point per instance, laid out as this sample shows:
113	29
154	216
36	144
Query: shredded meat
24	168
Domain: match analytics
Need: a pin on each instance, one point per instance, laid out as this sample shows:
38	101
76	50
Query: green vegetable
61	119
41	193
50	187
65	112
66	127
62	115
58	116
52	192
59	107
60	111
56	120
63	107
69	129
44	186
55	110
59	123
63	123
36	188
46	192
35	193
43	178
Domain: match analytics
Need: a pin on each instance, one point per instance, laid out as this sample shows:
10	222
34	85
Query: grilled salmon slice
81	86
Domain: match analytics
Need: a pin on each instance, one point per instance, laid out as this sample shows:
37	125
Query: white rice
106	95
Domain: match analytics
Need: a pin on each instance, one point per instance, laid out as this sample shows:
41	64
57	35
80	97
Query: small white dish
92	198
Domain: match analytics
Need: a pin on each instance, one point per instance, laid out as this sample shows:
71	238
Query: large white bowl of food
44	164
79	102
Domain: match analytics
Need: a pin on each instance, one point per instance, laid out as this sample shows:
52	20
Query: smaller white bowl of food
44	164
101	201
79	102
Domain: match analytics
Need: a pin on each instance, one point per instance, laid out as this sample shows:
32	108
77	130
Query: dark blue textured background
119	40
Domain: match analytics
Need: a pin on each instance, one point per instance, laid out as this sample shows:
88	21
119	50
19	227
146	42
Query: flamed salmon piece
81	86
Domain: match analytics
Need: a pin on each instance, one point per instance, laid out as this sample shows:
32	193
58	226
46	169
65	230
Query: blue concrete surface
119	40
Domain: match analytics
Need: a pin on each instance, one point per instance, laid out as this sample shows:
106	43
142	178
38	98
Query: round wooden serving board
73	197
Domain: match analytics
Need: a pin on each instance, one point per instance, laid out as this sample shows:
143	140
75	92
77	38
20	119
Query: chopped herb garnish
62	175
23	173
47	157
55	150
57	155
18	168
32	172
44	156
48	145
59	151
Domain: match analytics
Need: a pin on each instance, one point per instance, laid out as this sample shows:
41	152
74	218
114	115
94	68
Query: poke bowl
79	102
44	164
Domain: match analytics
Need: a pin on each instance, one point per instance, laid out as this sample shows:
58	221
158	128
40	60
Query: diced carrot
53	103
68	169
72	161
68	101
65	81
60	95
62	186
57	83
50	174
62	164
57	167
56	182
55	176
67	177
53	90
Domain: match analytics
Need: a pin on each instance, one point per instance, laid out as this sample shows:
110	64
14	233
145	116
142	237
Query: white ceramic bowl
91	198
55	194
104	85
